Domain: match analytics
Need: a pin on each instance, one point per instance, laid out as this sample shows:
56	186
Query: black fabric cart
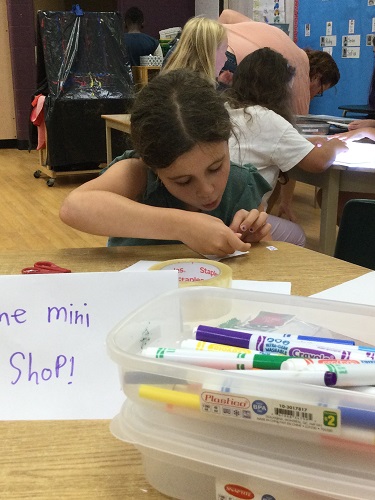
84	60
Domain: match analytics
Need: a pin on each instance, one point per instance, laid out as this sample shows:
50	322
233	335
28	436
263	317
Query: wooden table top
81	459
122	120
309	272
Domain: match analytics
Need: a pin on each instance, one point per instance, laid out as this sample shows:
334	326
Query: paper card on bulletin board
53	357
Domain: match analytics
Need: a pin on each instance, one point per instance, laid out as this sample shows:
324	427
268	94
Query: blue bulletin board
345	29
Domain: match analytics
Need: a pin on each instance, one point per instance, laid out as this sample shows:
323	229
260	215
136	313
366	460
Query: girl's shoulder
242	170
127	155
265	114
246	178
257	113
260	121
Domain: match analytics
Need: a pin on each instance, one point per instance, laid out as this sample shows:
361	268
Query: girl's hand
356	134
251	226
317	140
226	77
356	124
209	235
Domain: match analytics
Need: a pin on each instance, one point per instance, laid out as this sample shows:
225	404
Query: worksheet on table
360	154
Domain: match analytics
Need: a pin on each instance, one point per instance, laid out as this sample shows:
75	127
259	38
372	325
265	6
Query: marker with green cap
217	359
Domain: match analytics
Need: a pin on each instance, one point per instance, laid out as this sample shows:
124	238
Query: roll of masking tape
198	272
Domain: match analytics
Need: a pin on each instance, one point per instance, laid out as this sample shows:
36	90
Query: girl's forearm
109	214
320	158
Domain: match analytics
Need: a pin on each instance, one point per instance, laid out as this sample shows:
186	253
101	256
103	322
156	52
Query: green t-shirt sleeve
129	153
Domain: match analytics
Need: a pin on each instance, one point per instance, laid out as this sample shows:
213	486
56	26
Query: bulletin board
344	28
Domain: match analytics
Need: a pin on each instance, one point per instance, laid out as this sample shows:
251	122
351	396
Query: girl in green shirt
180	185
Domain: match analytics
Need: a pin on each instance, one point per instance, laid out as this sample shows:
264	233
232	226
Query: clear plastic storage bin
189	460
320	440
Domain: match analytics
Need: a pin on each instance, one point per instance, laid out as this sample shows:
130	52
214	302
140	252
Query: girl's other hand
339	144
226	77
357	134
209	235
356	124
251	226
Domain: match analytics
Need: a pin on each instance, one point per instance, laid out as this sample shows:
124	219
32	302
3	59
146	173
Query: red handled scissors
45	267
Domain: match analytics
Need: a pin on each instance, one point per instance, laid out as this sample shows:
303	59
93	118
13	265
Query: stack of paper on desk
325	118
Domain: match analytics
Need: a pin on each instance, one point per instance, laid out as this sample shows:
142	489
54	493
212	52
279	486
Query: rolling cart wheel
37	174
50	182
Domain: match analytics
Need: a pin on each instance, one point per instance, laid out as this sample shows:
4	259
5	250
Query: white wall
243	6
208	8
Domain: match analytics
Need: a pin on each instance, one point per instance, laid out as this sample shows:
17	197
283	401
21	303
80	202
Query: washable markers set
298	358
269	392
281	358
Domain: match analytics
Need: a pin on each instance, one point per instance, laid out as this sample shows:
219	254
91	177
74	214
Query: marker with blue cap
242	338
272	344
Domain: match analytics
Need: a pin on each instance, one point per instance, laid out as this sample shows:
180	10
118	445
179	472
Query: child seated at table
201	47
259	104
179	185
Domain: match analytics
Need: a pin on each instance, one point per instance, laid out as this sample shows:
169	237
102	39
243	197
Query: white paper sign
53	328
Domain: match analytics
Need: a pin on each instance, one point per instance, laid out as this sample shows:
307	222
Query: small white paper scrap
217	259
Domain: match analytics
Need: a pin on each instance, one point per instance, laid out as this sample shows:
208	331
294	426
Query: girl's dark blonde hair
196	49
263	78
173	113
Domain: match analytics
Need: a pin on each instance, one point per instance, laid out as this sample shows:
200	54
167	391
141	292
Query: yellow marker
177	398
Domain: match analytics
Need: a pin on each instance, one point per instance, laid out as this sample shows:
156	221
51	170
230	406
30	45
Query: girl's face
199	177
220	56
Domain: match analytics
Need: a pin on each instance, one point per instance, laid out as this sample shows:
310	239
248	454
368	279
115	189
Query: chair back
356	237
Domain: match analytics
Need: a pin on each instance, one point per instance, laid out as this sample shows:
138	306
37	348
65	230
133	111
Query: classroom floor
29	208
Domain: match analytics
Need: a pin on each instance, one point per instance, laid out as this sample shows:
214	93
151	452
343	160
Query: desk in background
81	459
117	122
142	75
335	179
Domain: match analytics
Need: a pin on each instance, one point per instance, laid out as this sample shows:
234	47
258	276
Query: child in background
316	71
138	43
202	48
259	104
180	184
